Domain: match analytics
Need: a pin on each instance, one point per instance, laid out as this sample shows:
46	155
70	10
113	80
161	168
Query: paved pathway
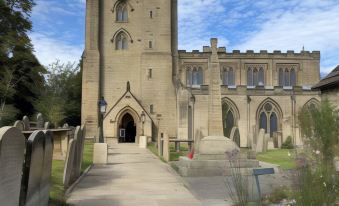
133	176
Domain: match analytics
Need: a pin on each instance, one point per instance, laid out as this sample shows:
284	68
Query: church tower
131	41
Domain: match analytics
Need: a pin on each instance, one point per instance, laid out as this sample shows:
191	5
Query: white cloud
48	49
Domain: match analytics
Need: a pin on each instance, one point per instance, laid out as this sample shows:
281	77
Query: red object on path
191	154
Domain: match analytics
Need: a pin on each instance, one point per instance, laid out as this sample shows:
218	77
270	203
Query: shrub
288	143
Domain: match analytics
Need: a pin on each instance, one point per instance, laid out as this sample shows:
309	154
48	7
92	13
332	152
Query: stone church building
136	41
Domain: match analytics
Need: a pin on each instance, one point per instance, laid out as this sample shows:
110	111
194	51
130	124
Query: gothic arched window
292	77
122	12
250	77
256	75
261	78
268	117
287	77
281	77
229	117
121	42
189	76
228	76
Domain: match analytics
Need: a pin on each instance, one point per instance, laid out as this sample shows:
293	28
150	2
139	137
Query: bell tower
130	41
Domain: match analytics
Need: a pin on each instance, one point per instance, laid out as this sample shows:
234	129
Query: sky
59	25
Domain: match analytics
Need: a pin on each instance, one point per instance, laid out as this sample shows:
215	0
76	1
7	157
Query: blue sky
58	27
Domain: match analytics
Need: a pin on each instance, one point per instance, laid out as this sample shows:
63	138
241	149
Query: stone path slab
133	176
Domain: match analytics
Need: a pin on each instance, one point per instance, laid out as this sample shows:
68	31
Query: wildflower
324	184
289	154
317	152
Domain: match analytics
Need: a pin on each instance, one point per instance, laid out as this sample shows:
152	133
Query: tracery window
122	12
121	41
287	75
256	75
228	77
194	76
268	118
229	117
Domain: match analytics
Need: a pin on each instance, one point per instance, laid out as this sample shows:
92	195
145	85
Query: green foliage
61	101
8	115
281	157
278	195
237	184
20	72
317	179
288	143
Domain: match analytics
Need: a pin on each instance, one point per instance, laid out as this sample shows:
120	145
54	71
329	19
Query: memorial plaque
12	147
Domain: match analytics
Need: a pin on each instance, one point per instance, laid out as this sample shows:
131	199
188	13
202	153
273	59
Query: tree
61	99
21	75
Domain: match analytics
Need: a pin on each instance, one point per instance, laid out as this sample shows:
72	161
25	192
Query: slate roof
330	81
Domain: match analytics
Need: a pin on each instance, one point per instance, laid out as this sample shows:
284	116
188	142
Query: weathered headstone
270	144
47	125
166	149
39	121
69	163
34	161
47	168
77	156
266	139
12	147
19	125
235	135
260	141
83	143
27	126
65	126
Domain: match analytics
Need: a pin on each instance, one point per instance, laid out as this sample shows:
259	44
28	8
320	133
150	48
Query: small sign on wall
122	133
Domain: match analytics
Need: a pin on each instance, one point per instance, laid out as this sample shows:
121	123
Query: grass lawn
174	155
57	191
279	157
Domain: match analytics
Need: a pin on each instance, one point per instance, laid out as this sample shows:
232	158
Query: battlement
251	53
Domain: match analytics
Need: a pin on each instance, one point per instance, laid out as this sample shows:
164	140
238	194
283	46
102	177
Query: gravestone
336	163
77	154
270	144
266	139
12	147
47	125
260	141
19	125
47	168
65	126
33	170
235	135
83	144
69	163
39	121
27	126
166	149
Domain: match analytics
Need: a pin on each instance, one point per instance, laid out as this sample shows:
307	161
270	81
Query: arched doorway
127	129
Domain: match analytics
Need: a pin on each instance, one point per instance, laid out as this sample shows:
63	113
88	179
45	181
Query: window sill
121	22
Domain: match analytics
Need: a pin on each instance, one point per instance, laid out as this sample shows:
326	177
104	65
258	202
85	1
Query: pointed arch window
228	119
121	41
268	118
122	12
194	76
228	76
281	77
288	75
256	75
